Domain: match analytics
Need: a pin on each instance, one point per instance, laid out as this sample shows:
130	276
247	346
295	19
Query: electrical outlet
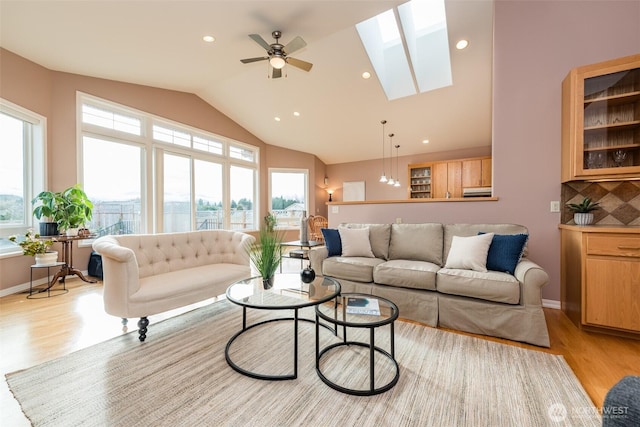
555	206
335	209
398	220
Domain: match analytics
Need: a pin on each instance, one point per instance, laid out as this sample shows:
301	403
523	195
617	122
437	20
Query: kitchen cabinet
600	278
601	121
447	179
476	172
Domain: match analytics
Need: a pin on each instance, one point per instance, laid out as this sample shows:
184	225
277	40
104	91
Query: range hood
477	192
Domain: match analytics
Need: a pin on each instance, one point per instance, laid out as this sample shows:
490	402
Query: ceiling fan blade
294	45
258	39
250	60
303	65
277	73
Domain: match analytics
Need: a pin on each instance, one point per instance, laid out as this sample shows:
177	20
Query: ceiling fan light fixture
277	62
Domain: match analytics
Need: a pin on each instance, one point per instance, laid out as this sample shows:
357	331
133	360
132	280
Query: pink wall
536	43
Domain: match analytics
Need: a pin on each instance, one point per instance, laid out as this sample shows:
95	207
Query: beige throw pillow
469	253
355	242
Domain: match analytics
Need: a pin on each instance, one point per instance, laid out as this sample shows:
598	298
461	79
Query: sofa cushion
505	252
355	242
406	274
490	286
357	269
379	235
332	241
470	252
420	242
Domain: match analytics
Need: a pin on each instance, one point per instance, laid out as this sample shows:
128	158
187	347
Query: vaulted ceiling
159	43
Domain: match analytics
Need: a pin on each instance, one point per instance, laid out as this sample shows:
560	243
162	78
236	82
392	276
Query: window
22	169
176	193
117	197
289	196
148	174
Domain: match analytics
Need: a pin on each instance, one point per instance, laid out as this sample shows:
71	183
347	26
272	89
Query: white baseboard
24	287
550	303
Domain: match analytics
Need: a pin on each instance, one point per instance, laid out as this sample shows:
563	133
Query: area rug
179	377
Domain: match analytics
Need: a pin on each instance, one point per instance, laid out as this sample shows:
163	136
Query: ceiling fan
278	54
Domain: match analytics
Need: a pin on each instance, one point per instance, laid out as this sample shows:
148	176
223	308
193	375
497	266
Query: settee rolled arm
121	278
533	278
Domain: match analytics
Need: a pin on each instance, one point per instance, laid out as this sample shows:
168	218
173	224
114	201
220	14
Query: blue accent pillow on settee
332	241
505	252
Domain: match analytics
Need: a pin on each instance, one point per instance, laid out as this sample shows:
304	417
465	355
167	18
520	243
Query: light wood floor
34	331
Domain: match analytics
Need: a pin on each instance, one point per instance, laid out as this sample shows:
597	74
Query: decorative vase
304	228
47	258
307	275
583	218
267	283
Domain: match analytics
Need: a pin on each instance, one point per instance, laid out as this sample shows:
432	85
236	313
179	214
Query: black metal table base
246	328
372	390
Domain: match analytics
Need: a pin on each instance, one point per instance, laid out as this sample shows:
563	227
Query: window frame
305	172
34	167
153	168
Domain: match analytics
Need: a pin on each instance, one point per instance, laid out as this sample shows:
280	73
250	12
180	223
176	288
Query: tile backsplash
619	201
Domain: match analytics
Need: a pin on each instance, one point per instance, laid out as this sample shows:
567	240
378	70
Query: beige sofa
408	267
146	274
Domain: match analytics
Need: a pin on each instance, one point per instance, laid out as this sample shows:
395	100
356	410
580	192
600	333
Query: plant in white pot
33	245
583	211
74	210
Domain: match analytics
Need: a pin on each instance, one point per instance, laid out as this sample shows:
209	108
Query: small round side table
46	292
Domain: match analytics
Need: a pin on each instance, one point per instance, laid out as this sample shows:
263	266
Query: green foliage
280	203
266	253
585	206
70	208
32	245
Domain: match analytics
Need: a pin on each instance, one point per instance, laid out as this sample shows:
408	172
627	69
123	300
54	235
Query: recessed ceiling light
425	141
366	75
277	119
462	44
295	113
209	39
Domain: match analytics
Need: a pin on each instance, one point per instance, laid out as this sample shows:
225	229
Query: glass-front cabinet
601	121
420	181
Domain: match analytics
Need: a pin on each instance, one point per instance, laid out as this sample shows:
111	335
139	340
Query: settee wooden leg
142	332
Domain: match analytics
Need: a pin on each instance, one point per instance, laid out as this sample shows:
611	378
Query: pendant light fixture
383	177
397	183
391	181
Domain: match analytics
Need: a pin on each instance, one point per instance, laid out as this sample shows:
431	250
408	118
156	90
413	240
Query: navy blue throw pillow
332	241
505	252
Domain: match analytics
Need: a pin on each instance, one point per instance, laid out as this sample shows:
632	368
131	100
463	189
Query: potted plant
46	207
583	211
74	209
266	254
33	245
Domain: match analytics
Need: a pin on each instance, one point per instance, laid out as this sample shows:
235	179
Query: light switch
555	206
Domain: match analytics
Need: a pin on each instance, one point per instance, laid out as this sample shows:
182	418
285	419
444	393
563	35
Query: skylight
424	26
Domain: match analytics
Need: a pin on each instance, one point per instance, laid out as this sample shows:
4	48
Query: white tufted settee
146	274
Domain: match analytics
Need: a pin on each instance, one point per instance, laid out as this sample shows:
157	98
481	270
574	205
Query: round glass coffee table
352	310
288	293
